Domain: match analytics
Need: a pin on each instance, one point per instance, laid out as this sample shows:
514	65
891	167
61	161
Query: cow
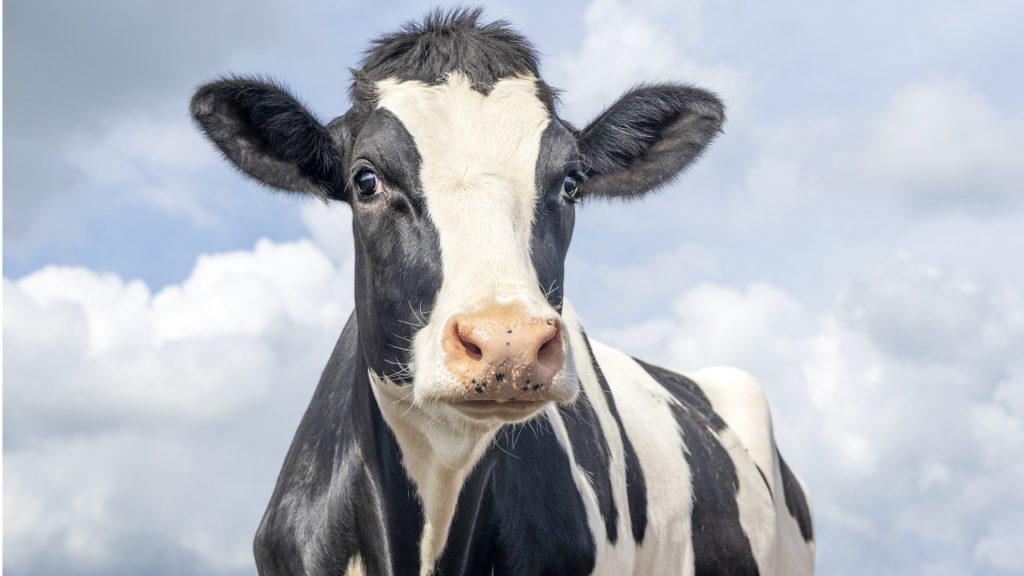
465	423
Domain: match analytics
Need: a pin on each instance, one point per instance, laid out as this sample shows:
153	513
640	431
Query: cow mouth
506	410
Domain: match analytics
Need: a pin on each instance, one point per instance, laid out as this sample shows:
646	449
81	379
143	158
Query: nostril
550	351
464	336
472	350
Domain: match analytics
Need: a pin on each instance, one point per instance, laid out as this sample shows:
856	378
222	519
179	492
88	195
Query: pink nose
502	354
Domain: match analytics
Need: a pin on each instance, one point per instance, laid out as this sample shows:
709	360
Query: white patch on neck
437	454
478	171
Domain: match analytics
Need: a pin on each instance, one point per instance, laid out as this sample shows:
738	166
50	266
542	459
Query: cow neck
438	456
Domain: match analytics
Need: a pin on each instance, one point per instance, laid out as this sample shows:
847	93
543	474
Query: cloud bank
143	431
156	422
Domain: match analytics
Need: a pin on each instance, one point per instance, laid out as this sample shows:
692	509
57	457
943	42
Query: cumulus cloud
943	145
626	43
154	423
899	405
151	158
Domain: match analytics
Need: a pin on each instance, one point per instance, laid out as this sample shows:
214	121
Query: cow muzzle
503	355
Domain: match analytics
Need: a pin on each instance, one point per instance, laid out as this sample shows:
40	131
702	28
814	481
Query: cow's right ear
269	136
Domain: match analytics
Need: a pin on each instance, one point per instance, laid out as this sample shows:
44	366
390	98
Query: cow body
641	475
465	424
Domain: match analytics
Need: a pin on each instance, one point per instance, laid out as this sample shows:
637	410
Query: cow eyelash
571	185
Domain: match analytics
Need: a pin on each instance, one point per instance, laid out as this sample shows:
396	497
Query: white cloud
899	405
122	405
942	144
148	157
626	43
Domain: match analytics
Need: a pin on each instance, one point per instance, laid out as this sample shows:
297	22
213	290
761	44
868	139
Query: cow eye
368	183
571	187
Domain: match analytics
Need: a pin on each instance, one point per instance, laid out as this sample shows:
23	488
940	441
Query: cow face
485	183
463	190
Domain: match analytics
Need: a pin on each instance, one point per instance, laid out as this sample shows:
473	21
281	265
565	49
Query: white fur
437	455
645	409
355	566
739	399
609	560
622	554
478	171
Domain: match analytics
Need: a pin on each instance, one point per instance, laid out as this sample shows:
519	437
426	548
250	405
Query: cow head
463	183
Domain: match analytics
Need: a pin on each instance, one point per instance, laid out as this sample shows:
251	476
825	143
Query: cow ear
269	136
647	138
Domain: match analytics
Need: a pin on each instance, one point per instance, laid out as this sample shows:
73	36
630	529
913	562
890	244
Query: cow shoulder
738	398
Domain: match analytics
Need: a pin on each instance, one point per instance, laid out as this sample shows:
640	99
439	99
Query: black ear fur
268	135
647	138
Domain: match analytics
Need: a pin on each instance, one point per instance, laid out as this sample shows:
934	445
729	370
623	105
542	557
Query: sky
853	239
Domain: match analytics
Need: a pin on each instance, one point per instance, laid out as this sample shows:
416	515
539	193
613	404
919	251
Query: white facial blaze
478	161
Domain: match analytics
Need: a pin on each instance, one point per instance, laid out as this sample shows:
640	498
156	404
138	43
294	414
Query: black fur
647	138
796	502
555	215
342	489
398	254
590	448
720	546
447	41
269	136
534	521
636	485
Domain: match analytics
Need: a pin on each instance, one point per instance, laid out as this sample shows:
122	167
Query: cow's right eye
368	183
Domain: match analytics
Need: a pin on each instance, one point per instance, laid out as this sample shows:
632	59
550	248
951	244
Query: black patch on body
796	502
686	391
520	512
590	448
398	254
720	545
636	486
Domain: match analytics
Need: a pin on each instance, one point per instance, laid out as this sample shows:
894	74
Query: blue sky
851	239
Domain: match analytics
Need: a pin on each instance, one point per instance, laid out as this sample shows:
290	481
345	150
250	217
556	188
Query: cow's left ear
649	136
269	136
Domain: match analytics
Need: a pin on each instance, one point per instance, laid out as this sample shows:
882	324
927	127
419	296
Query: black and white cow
465	423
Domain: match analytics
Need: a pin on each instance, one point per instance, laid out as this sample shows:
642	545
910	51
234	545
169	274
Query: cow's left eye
571	187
